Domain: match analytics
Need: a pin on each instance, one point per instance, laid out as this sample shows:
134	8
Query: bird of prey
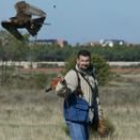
24	19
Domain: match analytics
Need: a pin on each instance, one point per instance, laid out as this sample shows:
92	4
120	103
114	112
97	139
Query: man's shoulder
71	72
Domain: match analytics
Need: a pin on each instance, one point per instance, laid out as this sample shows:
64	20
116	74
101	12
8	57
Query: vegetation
14	78
12	49
27	112
32	114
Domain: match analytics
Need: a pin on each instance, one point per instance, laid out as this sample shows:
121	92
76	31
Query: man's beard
85	68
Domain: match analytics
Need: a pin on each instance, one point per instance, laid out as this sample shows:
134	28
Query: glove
53	84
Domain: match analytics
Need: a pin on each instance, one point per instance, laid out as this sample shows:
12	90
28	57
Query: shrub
101	69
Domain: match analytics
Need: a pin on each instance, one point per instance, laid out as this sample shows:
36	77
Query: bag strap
79	91
94	105
94	90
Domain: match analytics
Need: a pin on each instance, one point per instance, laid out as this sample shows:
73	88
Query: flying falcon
24	19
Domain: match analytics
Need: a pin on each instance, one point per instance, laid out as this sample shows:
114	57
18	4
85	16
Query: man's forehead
84	57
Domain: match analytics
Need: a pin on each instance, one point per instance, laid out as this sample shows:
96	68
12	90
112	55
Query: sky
82	21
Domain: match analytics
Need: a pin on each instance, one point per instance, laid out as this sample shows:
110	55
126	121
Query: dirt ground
125	70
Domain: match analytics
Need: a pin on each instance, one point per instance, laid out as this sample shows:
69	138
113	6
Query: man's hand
62	81
54	83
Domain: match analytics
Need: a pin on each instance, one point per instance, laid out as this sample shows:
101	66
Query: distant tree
13	49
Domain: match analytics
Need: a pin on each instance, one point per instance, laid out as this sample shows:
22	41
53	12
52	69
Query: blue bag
76	109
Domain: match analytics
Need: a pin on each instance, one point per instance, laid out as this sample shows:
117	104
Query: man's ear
77	61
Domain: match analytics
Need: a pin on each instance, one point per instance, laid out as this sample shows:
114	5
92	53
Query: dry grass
34	115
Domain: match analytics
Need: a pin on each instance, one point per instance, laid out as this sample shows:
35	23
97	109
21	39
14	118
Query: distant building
112	42
60	43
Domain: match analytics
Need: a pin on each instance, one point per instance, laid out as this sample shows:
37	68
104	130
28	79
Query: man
23	19
81	103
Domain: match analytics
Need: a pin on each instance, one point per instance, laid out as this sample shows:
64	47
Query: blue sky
85	20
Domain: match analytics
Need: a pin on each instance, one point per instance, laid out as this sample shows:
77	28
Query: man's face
83	62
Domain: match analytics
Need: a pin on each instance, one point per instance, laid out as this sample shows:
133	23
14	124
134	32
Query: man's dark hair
83	53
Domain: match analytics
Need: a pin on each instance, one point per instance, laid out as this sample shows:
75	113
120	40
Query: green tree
101	69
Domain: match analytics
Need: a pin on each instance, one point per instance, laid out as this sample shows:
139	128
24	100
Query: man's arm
67	85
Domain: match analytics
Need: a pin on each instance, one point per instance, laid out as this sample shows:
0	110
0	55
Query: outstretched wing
35	25
12	29
27	9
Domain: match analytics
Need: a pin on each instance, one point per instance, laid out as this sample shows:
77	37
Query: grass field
35	115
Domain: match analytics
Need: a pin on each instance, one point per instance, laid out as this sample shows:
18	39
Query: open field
35	115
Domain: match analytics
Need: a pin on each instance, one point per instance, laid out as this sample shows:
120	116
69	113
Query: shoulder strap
78	78
94	90
79	91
